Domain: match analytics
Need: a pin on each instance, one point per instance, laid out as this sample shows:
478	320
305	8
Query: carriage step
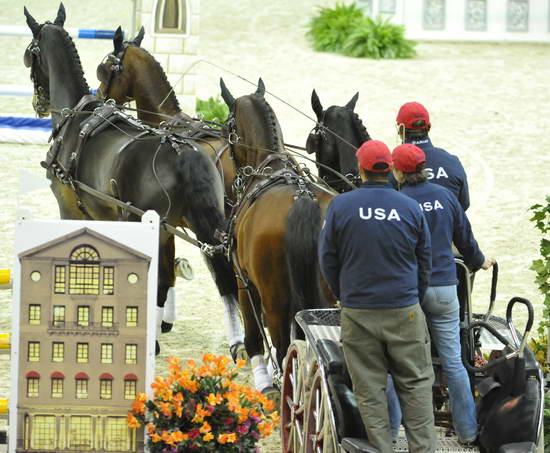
353	445
444	444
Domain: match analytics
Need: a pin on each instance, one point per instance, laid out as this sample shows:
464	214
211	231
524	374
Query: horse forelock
58	32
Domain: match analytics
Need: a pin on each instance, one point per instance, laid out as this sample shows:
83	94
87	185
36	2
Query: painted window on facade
107	316
33	387
518	15
476	15
58	351
171	16
84	271
59	315
106	389
43	432
434	15
130	388
36	276
81	388
34	314
387	6
82	352
80	433
33	352
59	280
108	280
106	353
130	356
83	316
57	387
131	316
116	434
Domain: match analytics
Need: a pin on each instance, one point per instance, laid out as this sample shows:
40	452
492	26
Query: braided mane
272	120
359	123
163	86
76	66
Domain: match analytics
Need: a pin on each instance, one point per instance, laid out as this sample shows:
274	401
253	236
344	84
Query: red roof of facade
32	374
57	375
130	377
81	376
106	376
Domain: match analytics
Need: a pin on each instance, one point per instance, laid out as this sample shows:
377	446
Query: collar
368	184
420	143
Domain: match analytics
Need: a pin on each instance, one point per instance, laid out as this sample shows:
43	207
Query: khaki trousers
394	340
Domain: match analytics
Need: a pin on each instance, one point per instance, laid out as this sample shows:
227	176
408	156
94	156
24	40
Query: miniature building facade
172	37
82	344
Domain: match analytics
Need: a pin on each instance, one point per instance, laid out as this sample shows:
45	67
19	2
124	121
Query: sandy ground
489	105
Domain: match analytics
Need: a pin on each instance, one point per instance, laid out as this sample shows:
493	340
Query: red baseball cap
372	153
407	158
411	113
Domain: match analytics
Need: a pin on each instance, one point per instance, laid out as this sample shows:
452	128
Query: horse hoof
157	348
238	351
274	395
166	327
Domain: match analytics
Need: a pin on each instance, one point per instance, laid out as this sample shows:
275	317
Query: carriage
319	412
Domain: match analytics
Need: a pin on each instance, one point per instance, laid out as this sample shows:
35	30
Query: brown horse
125	161
275	229
130	73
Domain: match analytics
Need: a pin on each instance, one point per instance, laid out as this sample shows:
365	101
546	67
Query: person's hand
488	263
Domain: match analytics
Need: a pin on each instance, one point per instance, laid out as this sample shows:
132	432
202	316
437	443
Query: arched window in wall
171	17
84	271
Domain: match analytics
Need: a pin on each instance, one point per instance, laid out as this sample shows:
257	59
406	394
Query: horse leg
233	329
253	339
169	311
166	277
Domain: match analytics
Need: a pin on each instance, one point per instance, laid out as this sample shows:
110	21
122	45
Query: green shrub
377	38
330	28
212	109
345	29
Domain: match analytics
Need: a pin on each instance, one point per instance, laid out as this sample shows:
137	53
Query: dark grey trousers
396	340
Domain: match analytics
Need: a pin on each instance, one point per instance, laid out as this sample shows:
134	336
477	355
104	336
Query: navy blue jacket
446	170
448	224
374	248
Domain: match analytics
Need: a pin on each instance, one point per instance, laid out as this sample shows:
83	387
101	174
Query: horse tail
202	195
301	238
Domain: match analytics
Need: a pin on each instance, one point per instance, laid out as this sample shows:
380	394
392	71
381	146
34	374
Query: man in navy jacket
443	168
448	224
374	252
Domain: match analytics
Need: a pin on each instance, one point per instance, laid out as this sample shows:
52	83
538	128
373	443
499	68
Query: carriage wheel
293	398
320	433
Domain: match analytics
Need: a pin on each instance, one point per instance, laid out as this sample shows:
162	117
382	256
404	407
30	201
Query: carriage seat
352	445
332	356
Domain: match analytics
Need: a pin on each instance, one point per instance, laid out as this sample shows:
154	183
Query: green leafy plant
377	38
541	266
345	29
330	28
212	109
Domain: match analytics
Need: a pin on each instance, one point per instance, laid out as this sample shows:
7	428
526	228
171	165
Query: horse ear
118	40
351	104
261	87
226	95
33	25
316	105
137	40
60	19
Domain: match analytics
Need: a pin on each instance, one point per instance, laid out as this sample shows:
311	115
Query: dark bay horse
275	229
124	160
130	73
337	149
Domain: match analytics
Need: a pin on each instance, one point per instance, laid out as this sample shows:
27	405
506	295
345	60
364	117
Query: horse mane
76	67
269	115
359	123
171	103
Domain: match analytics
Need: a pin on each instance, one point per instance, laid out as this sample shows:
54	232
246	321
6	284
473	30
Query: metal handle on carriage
528	326
493	296
492	363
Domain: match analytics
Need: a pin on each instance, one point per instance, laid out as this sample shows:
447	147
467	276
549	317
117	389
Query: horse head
252	126
50	55
334	140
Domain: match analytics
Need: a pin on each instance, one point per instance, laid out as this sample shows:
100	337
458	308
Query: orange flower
141	397
188	384
208	357
178	436
138	407
205	428
132	421
214	400
165	409
155	438
265	429
275	417
207	437
151	429
227	438
241	363
200	413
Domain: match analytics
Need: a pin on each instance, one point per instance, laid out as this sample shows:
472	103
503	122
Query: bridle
314	142
111	65
31	59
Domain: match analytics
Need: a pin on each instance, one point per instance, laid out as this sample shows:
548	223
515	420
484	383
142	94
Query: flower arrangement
200	408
